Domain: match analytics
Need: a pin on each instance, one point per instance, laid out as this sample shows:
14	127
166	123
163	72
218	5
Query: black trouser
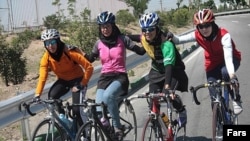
159	87
60	88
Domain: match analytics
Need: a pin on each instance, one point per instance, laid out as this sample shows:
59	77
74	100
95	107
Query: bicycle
154	128
93	129
52	128
222	114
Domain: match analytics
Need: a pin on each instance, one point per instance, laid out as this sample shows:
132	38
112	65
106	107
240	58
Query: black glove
234	81
170	35
36	99
80	87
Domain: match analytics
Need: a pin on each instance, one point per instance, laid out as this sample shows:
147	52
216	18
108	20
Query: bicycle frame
154	113
94	120
163	132
53	117
219	107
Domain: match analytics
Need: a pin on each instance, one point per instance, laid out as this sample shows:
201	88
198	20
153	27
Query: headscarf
59	51
157	40
215	30
112	39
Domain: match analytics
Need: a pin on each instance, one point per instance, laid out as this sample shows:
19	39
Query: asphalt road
199	126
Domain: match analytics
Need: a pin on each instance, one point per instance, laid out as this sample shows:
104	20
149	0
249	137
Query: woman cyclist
72	69
167	70
111	49
222	58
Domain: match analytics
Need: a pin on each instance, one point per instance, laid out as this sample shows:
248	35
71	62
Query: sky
26	14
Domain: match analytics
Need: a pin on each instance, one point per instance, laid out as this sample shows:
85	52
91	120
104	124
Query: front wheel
89	132
128	120
179	132
45	131
152	131
217	122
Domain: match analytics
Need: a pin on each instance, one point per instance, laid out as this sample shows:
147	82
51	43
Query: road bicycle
222	114
53	128
94	130
154	128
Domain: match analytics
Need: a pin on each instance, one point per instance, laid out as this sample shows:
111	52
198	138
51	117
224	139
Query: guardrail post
25	129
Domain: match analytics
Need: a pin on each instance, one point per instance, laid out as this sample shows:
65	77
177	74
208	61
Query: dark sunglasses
149	29
49	42
201	26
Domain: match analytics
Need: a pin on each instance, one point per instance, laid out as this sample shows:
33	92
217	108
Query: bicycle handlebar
151	95
193	89
88	103
46	101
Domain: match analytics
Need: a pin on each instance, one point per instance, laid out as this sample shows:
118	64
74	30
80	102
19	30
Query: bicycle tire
152	131
218	121
43	132
179	133
233	117
128	120
94	133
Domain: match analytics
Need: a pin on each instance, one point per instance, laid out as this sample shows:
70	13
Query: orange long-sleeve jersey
70	66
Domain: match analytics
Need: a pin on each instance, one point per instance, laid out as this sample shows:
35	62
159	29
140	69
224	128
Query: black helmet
105	17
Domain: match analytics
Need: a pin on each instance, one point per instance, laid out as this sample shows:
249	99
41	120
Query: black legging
159	87
60	88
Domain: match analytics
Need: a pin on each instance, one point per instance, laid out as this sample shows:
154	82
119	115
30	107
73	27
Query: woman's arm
129	44
135	37
94	54
184	38
228	53
169	59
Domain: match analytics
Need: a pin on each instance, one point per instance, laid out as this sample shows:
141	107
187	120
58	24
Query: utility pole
37	14
9	3
10	16
161	4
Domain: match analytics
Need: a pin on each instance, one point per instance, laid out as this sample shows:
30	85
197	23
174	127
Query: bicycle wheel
46	132
179	132
152	131
217	122
128	120
89	132
233	117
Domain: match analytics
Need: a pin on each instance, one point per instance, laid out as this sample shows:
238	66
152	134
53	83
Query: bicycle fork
170	136
167	131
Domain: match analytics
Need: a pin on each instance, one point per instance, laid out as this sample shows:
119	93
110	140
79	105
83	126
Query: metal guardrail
11	111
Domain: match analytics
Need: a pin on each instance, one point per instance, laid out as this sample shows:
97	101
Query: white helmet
50	34
149	20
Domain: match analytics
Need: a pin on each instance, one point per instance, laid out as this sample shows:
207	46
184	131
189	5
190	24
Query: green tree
52	21
209	4
82	32
181	17
4	59
139	6
179	3
234	3
123	17
17	67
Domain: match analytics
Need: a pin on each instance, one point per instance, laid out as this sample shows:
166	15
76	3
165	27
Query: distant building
16	14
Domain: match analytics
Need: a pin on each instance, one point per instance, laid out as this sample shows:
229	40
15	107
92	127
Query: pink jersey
113	59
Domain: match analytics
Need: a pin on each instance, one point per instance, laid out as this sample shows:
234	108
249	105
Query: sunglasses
149	29
49	42
201	26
